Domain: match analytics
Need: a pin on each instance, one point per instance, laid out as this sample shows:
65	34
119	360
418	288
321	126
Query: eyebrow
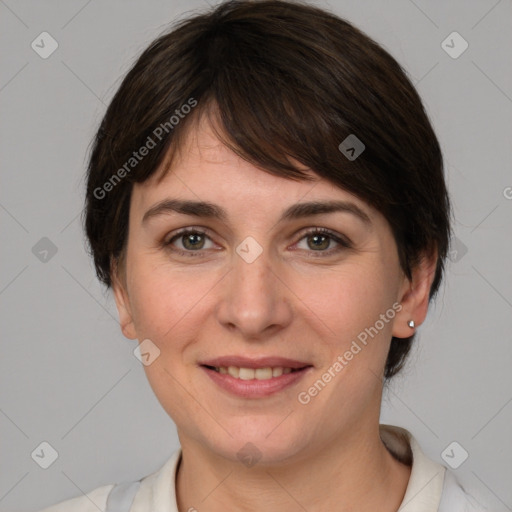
297	211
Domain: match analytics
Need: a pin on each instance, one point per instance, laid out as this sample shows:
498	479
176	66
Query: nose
255	300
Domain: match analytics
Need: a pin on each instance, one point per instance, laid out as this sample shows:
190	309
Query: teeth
263	373
246	373
277	372
234	371
251	373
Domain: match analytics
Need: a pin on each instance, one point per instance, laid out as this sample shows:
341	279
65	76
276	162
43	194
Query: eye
191	240
320	240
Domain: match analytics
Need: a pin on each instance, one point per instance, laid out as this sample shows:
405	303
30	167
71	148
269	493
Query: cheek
154	307
168	305
349	300
163	308
347	306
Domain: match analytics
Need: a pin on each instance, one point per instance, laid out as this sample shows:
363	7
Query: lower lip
255	388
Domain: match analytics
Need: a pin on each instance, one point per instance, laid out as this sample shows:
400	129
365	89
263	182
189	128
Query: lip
255	388
260	362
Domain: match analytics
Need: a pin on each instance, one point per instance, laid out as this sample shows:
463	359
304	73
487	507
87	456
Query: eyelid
342	240
324	231
167	242
188	229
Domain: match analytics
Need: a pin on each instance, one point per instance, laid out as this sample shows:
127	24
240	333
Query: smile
253	373
261	382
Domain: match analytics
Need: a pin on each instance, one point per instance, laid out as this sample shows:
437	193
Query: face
288	296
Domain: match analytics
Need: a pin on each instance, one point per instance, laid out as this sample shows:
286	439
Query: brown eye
190	241
320	240
193	240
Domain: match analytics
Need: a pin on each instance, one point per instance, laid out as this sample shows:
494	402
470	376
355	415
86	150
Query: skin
286	303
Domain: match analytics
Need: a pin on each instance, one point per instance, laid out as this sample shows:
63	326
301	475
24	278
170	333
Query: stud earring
410	323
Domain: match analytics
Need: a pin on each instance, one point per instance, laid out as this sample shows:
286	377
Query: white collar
423	493
425	487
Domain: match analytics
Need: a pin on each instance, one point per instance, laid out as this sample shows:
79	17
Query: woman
266	199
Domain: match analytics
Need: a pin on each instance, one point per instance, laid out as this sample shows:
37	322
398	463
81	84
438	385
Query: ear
414	296
122	302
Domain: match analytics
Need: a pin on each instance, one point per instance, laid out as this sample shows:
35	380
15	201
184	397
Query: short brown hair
284	79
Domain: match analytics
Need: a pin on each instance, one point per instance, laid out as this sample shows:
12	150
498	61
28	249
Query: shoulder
91	502
455	498
154	492
431	485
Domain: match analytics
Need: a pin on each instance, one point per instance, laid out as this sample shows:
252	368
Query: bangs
248	140
269	102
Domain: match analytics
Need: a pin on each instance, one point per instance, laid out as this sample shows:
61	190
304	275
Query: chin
260	441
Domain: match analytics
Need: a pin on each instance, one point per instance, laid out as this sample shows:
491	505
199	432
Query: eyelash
343	242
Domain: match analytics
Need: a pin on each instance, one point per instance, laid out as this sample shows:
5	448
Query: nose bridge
253	298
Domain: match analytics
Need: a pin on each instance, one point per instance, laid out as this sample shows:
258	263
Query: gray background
68	377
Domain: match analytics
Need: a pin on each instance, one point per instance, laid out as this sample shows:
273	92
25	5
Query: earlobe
415	297
123	306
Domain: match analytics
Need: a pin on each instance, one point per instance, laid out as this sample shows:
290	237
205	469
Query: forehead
205	169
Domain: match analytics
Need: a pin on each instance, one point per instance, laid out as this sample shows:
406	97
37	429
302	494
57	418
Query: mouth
264	373
250	378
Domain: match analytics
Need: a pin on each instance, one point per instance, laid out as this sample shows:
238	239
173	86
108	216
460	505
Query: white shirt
431	488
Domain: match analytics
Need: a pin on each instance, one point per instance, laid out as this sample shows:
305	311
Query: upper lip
260	362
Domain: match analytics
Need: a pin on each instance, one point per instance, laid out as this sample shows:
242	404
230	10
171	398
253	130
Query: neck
356	472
